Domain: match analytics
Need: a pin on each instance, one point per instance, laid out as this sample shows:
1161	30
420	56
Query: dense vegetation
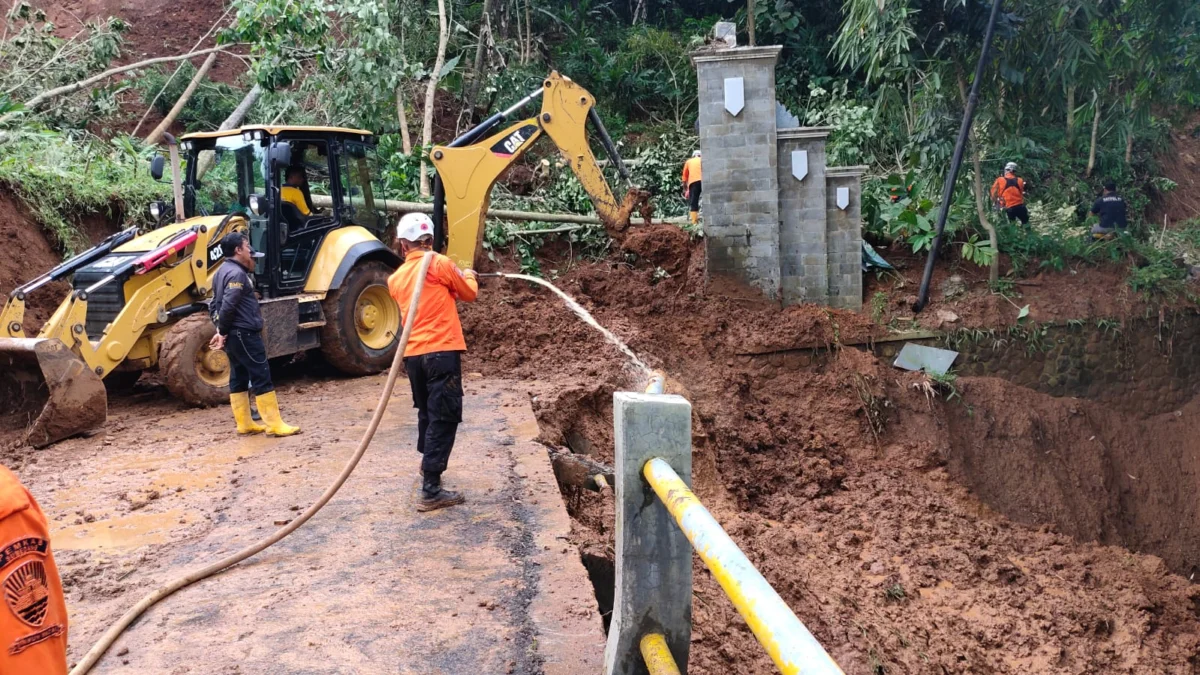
1075	91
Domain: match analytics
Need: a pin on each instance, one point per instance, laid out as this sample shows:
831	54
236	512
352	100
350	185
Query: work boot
433	497
694	216
268	407
241	414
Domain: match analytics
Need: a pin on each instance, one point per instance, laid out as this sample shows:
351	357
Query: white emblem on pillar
799	164
735	95
843	197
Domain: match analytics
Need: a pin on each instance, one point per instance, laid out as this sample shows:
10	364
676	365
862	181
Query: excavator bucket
48	391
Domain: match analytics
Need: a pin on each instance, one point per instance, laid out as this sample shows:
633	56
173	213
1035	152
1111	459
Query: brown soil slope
831	476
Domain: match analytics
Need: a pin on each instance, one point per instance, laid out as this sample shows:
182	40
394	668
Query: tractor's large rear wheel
192	371
362	322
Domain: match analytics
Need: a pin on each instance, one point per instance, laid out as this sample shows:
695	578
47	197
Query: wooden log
394	206
578	470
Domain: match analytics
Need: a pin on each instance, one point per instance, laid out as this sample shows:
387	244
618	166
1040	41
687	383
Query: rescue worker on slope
433	357
33	627
692	186
1009	194
1112	210
239	322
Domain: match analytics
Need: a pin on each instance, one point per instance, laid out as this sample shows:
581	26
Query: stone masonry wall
741	186
843	233
803	259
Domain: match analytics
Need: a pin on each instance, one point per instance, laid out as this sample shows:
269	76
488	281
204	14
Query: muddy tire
362	322
191	371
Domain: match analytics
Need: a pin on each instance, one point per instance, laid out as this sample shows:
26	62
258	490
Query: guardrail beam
654	558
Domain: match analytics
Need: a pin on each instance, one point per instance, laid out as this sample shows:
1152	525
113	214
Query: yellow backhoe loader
139	298
307	198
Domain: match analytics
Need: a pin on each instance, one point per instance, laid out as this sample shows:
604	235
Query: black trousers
248	367
1018	212
694	196
437	393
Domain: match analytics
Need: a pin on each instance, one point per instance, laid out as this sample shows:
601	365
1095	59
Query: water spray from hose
647	373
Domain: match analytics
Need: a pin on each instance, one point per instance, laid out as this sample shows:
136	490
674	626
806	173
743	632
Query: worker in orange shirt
1009	194
433	357
33	626
692	186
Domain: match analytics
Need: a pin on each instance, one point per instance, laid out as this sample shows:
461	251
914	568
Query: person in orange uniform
433	357
692	186
33	623
1009	194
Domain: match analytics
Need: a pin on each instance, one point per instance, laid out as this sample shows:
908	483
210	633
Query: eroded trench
1092	426
1087	427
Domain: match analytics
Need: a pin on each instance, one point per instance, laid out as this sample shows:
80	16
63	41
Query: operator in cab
33	625
433	356
239	322
293	189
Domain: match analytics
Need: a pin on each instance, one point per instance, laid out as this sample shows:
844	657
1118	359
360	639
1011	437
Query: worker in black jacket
239	332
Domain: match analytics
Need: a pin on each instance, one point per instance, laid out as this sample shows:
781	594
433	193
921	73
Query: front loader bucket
48	391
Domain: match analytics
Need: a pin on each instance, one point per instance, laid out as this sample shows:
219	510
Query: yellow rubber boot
268	407
241	413
694	215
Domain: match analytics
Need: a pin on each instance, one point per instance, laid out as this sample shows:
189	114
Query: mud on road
367	586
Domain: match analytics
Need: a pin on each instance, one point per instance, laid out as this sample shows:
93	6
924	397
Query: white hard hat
1011	166
414	226
696	153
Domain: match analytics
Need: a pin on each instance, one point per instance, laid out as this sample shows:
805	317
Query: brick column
843	235
803	253
741	185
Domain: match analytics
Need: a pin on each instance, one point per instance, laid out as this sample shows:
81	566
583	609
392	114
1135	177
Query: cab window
361	190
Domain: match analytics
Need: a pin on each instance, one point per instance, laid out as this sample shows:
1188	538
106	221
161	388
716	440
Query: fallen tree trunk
41	98
186	96
235	118
393	206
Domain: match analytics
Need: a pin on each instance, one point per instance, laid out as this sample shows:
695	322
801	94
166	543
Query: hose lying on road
102	645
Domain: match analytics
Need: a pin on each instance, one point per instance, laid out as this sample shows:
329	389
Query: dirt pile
831	476
37	254
20	233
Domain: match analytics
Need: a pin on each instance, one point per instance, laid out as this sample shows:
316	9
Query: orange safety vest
691	171
1009	191
33	622
437	328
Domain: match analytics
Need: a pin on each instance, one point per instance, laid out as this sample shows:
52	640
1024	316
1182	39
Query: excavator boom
469	167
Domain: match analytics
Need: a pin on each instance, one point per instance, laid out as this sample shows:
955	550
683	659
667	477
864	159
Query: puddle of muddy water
126	531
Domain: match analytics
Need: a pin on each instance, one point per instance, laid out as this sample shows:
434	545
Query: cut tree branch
186	96
41	98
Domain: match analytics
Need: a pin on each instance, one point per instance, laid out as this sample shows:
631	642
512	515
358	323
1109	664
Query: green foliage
61	176
211	103
37	58
658	169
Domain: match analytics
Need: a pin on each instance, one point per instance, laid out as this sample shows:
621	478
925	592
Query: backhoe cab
307	198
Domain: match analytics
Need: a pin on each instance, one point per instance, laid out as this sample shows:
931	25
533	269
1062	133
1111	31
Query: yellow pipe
657	655
791	646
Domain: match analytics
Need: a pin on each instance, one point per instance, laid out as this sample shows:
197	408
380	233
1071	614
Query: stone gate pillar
740	164
844	235
803	252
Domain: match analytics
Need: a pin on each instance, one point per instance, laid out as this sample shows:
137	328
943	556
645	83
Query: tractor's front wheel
192	371
362	322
